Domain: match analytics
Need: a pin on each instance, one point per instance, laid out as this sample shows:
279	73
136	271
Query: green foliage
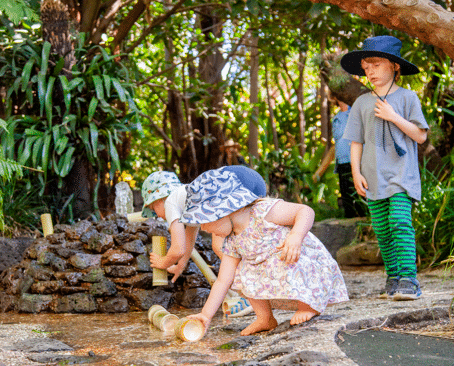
17	10
56	117
433	218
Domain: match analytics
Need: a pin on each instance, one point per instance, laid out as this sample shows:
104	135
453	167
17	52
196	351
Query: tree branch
423	19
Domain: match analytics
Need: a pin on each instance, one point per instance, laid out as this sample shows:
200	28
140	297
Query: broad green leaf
121	92
46	152
75	82
66	162
25	154
92	108
48	99
26	73
33	132
94	135
98	86
115	161
37	148
107	84
58	67
41	92
45	56
66	92
61	144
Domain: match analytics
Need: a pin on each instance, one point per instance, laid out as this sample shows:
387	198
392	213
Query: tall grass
433	218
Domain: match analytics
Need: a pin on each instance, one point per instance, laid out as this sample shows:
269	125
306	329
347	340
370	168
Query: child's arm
385	111
216	244
177	247
356	151
190	237
300	218
219	290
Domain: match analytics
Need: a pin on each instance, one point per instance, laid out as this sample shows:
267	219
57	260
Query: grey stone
120	271
336	233
107	227
306	358
94	275
104	288
239	342
115	256
73	278
144	299
143	263
141	280
99	242
74	303
191	357
135	246
85	260
34	303
39	272
192	298
46	287
37	345
118	304
58	359
12	251
56	238
359	254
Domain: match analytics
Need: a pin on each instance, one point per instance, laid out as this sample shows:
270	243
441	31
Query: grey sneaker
407	289
390	287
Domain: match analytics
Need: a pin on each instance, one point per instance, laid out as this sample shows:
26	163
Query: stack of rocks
99	267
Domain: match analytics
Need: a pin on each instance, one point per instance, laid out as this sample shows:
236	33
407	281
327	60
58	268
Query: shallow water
130	339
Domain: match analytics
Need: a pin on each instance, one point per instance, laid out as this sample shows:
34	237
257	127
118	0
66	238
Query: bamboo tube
46	221
207	272
159	247
136	217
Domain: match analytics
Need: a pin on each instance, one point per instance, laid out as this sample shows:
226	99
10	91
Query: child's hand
204	319
384	110
360	184
177	270
156	261
291	248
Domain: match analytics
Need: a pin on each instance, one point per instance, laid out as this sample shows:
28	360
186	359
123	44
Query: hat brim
214	195
351	62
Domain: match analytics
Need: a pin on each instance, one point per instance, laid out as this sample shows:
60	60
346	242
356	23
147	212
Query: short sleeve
229	248
354	130
174	204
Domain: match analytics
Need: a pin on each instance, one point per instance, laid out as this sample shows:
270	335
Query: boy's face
158	207
379	71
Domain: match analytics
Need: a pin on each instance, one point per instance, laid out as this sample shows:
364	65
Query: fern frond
10	167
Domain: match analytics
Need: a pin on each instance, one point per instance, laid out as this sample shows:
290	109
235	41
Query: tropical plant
56	116
433	218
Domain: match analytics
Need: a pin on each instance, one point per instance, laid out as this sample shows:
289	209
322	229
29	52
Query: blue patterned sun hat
214	195
158	185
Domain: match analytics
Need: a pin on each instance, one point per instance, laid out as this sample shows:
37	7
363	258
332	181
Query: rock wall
99	267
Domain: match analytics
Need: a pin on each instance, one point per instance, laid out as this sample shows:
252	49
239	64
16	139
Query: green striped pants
391	221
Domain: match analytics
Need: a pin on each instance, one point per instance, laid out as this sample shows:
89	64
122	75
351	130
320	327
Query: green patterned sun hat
158	185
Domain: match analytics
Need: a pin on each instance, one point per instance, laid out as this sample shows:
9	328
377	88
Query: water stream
130	339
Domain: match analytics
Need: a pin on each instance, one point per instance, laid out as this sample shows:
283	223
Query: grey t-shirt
386	172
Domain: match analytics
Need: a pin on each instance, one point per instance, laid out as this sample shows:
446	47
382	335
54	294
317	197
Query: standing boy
385	127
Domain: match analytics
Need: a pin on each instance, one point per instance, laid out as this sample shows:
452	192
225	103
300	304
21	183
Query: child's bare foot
260	325
303	314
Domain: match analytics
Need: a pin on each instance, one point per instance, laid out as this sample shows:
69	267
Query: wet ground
129	339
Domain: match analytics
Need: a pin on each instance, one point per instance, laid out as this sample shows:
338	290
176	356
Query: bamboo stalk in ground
46	221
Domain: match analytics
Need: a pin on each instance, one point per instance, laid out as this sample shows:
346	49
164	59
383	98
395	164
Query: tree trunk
423	19
272	126
207	132
300	102
254	98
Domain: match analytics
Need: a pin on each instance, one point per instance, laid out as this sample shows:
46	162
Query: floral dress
314	279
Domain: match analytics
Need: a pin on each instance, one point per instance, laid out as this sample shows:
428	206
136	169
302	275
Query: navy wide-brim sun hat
381	46
213	195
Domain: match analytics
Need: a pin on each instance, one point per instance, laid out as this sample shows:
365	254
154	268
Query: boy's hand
177	270
360	184
291	248
384	110
156	261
